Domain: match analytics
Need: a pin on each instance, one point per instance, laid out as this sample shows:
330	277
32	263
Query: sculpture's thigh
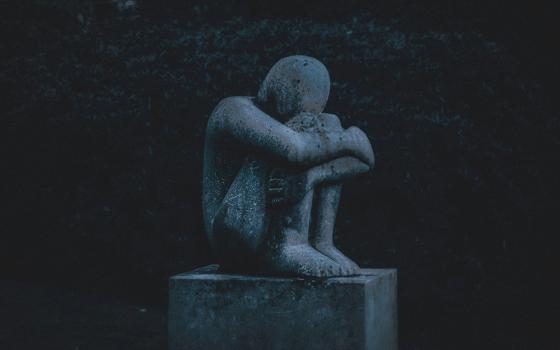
240	223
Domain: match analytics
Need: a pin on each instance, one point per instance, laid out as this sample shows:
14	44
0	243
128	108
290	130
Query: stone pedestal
210	311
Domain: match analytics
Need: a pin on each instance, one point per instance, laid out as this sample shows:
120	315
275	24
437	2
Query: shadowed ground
55	318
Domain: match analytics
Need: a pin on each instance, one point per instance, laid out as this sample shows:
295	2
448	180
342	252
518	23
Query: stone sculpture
273	168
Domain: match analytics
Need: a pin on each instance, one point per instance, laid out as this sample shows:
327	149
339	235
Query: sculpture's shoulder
330	121
227	109
232	106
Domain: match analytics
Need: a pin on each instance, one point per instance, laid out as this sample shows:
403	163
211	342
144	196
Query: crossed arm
330	156
245	122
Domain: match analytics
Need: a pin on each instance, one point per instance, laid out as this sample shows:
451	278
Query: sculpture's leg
239	227
325	209
288	251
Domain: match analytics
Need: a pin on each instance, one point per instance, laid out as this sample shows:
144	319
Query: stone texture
208	311
273	171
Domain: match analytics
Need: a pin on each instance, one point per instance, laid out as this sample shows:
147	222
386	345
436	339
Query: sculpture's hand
358	143
287	188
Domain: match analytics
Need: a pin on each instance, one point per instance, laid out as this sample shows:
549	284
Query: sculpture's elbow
369	157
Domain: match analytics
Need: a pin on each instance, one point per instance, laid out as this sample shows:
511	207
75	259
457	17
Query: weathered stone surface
209	311
273	171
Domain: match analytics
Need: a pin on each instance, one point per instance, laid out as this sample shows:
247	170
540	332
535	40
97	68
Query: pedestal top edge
364	276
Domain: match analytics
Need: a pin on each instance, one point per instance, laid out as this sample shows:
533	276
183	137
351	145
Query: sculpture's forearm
351	143
318	148
337	170
240	119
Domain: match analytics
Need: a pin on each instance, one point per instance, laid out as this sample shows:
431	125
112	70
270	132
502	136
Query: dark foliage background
103	115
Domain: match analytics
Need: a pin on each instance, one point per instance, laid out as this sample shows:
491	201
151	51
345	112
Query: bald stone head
295	84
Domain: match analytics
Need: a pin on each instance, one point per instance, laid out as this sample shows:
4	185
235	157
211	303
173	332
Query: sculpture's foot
300	259
348	267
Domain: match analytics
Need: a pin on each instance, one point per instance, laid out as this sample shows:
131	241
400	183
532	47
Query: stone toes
339	270
346	271
355	268
352	269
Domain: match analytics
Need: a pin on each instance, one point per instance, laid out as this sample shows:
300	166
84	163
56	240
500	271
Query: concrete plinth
222	311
